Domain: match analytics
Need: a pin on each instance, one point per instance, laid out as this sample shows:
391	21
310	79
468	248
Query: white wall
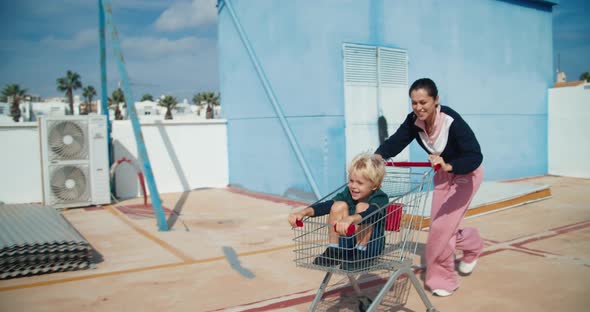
184	156
568	142
20	163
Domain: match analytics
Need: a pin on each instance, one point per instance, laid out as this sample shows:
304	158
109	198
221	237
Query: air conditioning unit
74	160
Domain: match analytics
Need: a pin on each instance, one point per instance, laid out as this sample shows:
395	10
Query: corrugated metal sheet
36	239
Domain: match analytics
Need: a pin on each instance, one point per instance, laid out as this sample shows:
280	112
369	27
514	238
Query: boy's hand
343	224
294	217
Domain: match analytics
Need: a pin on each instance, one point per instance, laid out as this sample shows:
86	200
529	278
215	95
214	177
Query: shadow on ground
395	299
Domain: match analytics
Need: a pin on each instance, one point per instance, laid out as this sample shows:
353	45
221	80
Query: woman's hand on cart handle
438	163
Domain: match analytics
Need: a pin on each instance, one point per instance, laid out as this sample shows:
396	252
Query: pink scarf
438	120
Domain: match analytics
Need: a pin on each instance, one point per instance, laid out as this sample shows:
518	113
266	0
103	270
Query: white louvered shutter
373	75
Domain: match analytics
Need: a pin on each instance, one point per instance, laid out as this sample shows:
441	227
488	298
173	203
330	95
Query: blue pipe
272	98
147	167
104	105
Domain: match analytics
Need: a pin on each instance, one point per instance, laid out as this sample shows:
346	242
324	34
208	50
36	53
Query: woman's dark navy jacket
461	150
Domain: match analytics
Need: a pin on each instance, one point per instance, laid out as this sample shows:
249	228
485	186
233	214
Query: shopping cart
393	240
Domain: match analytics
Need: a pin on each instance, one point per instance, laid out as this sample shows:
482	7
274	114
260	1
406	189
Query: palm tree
147	97
169	102
88	93
207	98
14	91
69	84
117	98
585	76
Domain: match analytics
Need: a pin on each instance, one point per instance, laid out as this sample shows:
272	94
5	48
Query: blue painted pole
132	113
273	99
104	100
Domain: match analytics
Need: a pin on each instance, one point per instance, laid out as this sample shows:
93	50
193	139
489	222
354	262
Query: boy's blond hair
370	166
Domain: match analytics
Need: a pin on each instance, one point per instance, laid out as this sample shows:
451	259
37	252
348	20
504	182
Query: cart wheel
364	303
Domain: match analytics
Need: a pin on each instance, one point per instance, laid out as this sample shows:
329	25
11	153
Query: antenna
561	77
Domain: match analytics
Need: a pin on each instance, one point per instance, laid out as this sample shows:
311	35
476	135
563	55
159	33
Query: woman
450	143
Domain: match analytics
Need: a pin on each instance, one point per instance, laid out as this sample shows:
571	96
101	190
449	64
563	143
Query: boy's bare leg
364	231
338	211
333	254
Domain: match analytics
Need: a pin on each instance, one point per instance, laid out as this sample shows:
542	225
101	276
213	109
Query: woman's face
423	104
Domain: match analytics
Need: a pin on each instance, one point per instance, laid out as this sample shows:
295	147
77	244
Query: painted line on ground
141	269
186	260
576	226
272	198
184	257
495	207
189	261
86	277
302	297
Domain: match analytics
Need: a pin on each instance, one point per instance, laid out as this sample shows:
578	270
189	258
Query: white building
150	110
146	110
31	111
5	113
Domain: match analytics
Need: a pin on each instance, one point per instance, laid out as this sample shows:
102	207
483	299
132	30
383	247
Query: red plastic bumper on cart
411	164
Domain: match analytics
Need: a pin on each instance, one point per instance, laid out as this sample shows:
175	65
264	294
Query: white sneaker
441	293
467	268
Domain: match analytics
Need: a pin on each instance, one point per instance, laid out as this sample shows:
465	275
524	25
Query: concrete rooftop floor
231	250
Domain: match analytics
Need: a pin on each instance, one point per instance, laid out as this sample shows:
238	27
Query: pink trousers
451	198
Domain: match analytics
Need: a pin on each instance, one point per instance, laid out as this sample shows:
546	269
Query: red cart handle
350	231
411	164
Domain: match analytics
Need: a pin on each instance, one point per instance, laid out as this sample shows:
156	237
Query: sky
571	37
170	46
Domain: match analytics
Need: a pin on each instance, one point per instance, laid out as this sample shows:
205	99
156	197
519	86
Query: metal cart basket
393	237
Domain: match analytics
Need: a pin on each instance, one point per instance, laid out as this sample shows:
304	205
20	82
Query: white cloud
182	15
181	76
174	71
153	48
82	39
61	7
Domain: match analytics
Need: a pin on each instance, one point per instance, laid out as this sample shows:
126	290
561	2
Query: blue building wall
492	61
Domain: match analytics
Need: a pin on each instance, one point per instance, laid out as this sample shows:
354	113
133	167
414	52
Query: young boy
361	198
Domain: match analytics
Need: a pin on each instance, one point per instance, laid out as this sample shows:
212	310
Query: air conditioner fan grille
70	183
67	141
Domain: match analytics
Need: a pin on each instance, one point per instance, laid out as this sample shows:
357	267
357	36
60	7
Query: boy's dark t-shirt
376	201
